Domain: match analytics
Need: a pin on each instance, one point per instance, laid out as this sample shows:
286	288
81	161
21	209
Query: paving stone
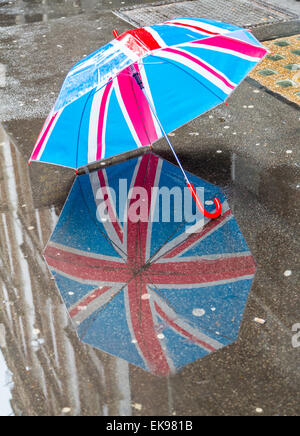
285	83
267	72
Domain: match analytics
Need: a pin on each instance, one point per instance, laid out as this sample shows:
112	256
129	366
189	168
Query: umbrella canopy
156	285
187	67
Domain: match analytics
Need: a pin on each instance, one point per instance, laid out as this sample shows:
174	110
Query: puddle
55	374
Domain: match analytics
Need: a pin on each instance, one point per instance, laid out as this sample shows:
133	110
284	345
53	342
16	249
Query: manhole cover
245	13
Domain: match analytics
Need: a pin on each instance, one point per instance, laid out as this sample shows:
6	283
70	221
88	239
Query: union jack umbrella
142	86
157	294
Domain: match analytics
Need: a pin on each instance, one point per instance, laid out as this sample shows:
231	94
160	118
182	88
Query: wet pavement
250	149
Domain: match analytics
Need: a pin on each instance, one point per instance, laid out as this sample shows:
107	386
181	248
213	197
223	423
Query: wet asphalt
250	149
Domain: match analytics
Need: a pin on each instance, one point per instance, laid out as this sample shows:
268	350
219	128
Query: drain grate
244	13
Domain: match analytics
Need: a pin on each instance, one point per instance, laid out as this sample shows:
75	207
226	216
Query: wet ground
251	149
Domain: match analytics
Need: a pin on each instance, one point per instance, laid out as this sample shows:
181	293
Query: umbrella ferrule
138	80
137	77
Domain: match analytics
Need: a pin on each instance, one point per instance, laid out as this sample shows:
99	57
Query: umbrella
157	286
142	86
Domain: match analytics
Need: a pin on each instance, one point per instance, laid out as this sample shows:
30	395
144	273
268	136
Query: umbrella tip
29	162
76	172
115	33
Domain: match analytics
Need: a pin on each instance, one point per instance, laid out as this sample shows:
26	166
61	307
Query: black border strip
280	97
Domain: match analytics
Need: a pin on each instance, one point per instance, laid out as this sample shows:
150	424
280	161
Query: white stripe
152	207
187	29
149	94
130	327
179	321
49	134
45	126
84	281
224	50
93	126
205	26
125	113
164	342
108	225
208	257
170	246
208	65
156	36
93	306
103	150
197	68
85	253
206	284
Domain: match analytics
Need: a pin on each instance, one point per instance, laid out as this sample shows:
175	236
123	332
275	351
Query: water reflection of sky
5	388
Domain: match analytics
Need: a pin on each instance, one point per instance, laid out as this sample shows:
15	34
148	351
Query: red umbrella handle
201	207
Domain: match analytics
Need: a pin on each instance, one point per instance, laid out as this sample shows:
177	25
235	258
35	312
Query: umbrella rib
158	291
189	74
100	310
110	241
77	151
166	241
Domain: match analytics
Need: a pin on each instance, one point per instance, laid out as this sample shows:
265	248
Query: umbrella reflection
157	294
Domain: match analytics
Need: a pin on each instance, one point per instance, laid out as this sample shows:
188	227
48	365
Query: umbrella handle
201	207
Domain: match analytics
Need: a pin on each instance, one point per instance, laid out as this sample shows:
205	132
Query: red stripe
183	331
200	29
144	329
142	38
232	44
137	108
202	64
201	271
101	120
92	297
42	140
137	232
196	236
87	268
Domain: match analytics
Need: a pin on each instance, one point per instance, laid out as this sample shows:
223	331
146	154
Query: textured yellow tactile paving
280	70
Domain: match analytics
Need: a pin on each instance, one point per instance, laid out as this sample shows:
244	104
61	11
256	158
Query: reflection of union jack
142	276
